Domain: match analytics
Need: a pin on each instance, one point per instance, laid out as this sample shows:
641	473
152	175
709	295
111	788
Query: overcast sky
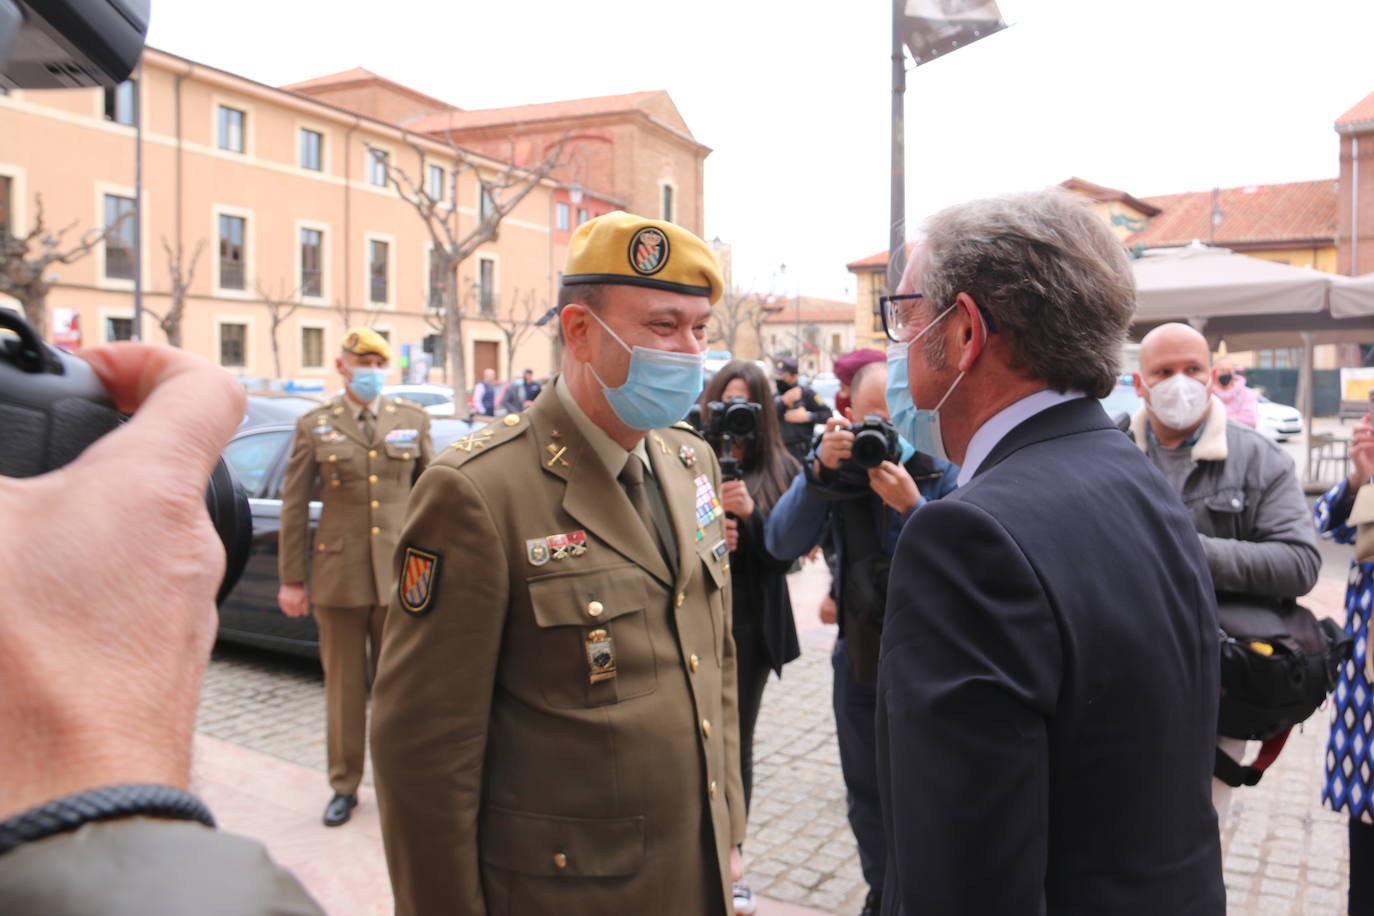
1151	97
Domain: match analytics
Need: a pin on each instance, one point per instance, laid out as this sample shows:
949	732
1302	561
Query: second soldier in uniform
555	728
363	451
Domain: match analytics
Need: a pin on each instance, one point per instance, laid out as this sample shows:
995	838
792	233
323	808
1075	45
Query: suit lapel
347	423
675	482
592	494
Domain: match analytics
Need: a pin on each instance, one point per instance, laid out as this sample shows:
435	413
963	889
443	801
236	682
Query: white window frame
326	237
104	314
391	277
250	231
249	330
677	203
323	328
562	216
370	150
430	168
320	132
103	188
495	260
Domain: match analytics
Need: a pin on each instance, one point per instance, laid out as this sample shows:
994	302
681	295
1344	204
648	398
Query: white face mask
1178	402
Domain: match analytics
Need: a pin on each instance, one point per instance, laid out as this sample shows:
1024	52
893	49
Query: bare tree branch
281	305
181	275
24	259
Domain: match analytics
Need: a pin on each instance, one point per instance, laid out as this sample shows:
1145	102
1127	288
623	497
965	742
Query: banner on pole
934	28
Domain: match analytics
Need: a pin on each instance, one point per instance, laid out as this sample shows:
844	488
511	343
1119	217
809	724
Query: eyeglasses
899	316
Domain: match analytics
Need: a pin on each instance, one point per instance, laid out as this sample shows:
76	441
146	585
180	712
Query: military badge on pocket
600	656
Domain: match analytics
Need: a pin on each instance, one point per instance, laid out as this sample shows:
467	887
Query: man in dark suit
1047	688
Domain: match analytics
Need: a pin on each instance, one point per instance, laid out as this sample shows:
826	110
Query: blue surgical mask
920	427
659	390
367	383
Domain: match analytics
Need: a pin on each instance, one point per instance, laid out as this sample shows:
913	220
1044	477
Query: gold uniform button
694	661
376	504
560	860
372	453
511	420
712	789
376	530
596	607
320	548
333	458
371	478
681	597
405	455
706	727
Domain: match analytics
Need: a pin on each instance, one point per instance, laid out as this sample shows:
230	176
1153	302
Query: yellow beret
619	247
362	340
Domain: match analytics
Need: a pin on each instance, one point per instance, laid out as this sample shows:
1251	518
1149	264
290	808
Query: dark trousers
1361	900
856	711
752	670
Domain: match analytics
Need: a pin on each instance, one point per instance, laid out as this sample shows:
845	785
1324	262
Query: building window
376	271
376	167
312	254
561	214
6	225
119	329
485	205
119	103
119	237
312	143
312	348
231	233
436	182
231	129
582	215
668	203
233	343
486	285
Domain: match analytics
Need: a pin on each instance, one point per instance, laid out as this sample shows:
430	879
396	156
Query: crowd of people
569	618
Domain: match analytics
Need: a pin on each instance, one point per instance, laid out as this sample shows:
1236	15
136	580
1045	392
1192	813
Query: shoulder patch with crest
419	580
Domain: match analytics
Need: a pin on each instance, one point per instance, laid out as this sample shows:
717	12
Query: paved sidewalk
260	763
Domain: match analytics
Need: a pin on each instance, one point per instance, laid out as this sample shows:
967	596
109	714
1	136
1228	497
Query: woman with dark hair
765	633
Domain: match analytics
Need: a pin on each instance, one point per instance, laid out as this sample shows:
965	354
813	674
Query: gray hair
1049	272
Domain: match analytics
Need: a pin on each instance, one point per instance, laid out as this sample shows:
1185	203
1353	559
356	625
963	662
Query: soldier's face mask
660	388
366	383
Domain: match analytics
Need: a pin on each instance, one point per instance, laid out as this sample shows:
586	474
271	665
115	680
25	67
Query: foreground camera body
875	441
52	406
734	418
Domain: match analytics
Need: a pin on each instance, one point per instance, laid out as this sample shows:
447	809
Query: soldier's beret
362	340
622	248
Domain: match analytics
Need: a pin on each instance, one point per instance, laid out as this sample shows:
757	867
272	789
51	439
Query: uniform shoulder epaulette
402	402
483	440
688	428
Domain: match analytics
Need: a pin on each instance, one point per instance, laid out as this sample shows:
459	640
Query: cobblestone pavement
1285	853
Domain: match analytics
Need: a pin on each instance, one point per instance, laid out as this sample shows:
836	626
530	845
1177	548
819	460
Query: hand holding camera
894	486
734	496
837	443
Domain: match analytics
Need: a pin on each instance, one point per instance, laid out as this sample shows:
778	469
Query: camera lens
870	448
739	421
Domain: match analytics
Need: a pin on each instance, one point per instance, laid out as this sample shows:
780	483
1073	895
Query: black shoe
340	809
873	904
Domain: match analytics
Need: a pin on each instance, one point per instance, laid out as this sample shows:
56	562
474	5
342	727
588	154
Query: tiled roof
876	261
1301	211
1102	192
540	111
360	75
1361	115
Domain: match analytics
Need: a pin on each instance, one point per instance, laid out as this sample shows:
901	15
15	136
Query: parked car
437	400
1278	421
258	454
1123	399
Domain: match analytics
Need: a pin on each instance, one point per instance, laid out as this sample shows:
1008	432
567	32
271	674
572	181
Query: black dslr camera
52	406
875	441
731	420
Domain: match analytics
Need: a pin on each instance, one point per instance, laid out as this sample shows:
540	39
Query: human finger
184	408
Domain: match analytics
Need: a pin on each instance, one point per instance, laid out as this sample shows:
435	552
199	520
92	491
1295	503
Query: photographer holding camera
756	469
864	481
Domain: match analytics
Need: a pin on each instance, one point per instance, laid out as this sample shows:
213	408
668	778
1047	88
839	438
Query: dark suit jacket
1047	689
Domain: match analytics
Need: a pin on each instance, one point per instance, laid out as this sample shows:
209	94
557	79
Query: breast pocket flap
542	844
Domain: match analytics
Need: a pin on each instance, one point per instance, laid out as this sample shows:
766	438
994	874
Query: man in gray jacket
1240	488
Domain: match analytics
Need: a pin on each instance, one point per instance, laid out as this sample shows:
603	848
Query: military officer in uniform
555	725
363	451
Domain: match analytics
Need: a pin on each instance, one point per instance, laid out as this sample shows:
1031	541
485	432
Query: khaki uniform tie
649	509
365	423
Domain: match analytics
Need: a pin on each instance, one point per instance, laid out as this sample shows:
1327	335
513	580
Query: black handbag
1278	664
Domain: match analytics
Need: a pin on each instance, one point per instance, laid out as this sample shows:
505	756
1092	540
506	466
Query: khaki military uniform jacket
558	735
363	486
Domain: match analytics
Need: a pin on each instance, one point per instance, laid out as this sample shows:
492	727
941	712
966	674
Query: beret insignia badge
648	251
